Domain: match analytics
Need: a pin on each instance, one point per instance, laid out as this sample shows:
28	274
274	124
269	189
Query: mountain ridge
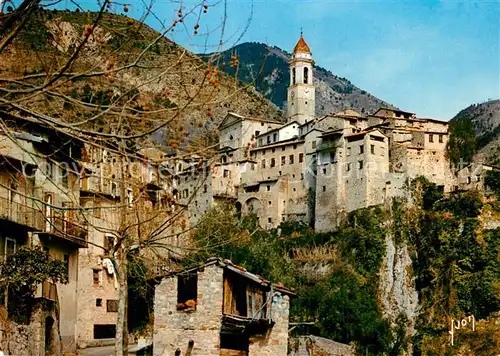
267	68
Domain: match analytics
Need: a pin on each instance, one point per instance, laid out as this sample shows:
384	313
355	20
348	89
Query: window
226	173
324	171
112	305
49	169
440	138
10	247
273	150
313	144
205	188
96	277
263	163
252	166
66	264
283	160
48	211
104	331
275	137
361	149
260	142
270	202
294	146
187	291
273	162
306	75
360	164
348	167
64	176
283	148
301	157
270	220
130	197
268	140
332	157
268	188
223	159
348	151
431	138
98	302
257	133
290	159
293	76
324	188
372	149
302	176
109	242
113	189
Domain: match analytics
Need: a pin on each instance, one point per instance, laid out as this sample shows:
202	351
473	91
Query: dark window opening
306	75
95	277
112	305
301	157
98	302
234	342
440	138
105	331
372	149
49	324
187	291
431	138
273	162
293	76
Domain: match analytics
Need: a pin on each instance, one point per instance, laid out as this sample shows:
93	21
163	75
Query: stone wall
275	341
173	329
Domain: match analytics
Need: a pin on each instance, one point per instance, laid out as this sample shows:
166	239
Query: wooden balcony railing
21	214
67	228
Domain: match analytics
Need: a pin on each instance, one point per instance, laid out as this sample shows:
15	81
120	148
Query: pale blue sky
430	57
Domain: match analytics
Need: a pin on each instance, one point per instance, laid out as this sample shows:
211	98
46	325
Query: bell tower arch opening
301	92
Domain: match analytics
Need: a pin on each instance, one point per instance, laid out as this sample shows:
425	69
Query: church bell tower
301	95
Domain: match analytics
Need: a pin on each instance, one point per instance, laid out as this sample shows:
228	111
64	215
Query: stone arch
252	206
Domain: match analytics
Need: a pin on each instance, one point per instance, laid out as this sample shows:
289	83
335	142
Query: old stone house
73	198
38	199
218	308
318	169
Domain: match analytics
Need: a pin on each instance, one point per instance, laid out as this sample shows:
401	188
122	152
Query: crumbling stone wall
173	329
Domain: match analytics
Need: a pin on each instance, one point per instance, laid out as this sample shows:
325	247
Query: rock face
267	68
399	298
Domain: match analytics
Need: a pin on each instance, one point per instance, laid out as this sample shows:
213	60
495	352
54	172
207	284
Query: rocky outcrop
398	295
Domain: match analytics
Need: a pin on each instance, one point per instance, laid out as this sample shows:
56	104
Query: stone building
218	308
119	191
39	197
318	169
73	198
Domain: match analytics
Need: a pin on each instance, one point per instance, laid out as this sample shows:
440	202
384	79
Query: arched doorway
252	206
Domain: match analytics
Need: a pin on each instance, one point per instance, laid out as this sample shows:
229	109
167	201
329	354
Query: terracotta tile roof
301	46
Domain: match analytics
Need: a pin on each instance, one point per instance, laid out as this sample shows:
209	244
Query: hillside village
79	201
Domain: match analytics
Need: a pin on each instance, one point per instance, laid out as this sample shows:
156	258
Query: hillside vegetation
164	83
348	281
475	131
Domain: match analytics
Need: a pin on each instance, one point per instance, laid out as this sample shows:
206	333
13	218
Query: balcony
68	229
21	214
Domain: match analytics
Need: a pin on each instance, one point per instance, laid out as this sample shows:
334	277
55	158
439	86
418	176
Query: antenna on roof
301	32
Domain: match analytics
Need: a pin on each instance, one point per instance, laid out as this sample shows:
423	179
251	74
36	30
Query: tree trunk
121	344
